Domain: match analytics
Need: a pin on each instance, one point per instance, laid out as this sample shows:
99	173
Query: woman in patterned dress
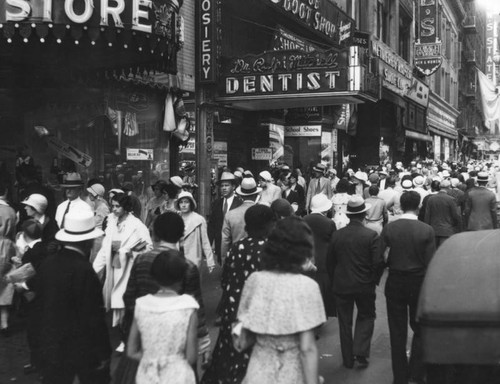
229	365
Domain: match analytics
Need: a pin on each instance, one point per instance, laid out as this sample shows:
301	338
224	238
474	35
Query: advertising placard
428	43
139	154
220	153
303	131
262	154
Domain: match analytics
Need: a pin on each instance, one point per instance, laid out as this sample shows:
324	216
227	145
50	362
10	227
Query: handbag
243	338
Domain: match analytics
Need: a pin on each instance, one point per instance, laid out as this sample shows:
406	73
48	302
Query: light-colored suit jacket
233	229
325	187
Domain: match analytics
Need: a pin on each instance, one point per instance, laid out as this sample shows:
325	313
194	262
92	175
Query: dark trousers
363	330
66	373
401	292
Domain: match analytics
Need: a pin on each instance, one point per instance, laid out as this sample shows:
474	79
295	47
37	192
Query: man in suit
411	246
322	228
228	201
354	264
318	184
441	213
73	337
481	206
233	228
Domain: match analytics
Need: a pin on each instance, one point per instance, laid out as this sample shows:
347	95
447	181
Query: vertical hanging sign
207	36
428	44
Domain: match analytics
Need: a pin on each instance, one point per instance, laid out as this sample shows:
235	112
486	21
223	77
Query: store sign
220	153
428	44
361	39
262	154
397	74
490	67
285	73
69	151
303	131
190	146
320	16
148	16
442	119
341	117
285	40
207	41
139	154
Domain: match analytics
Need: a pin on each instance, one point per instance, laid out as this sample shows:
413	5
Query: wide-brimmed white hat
361	176
37	201
185	195
96	190
266	176
79	225
177	181
356	204
227	176
248	187
320	203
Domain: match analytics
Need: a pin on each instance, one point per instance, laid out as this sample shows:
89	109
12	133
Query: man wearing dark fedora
353	264
72	185
481	206
228	200
233	228
73	337
318	184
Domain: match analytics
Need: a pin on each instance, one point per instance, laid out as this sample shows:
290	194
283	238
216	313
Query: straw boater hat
227	176
356	204
72	180
248	187
37	202
319	168
361	176
185	195
320	203
79	225
482	177
418	181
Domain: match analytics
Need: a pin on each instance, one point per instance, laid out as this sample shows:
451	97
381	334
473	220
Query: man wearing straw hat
318	184
353	264
73	339
72	185
228	201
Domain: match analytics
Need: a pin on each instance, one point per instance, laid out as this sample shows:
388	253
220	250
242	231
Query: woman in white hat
195	241
99	204
125	237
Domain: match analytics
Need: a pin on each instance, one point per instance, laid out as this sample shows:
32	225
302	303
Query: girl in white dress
339	201
163	336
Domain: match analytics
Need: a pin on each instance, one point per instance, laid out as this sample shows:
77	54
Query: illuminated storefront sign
286	72
321	16
428	44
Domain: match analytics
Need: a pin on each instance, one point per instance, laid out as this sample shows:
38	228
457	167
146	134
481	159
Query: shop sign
361	39
220	153
303	131
418	92
207	41
262	154
440	117
341	117
148	16
285	73
69	151
190	146
277	141
139	154
490	67
428	44
285	40
321	16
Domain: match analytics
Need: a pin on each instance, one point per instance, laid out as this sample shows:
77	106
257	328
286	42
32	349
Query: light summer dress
163	323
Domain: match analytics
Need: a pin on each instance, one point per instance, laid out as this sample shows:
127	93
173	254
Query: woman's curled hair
289	245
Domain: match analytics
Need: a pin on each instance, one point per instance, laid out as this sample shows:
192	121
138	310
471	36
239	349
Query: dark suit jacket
441	213
297	195
49	231
35	255
216	219
481	209
354	260
322	228
70	309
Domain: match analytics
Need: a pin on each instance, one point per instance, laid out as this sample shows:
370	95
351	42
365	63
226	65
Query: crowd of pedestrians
293	252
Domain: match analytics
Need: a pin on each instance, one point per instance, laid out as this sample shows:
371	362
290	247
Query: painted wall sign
148	16
139	154
285	72
262	153
303	131
321	16
428	44
207	41
285	40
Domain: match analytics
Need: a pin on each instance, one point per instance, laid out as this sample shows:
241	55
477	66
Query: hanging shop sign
285	73
397	74
490	67
303	131
139	154
341	116
69	151
428	44
284	40
320	16
262	154
361	39
207	45
148	16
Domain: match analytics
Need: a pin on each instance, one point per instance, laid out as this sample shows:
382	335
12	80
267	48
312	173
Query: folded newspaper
21	274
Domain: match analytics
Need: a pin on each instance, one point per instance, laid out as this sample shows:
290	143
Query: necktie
224	208
64	214
318	188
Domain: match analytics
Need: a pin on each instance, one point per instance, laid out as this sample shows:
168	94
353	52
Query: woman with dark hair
339	200
171	192
153	207
280	309
125	237
228	365
163	334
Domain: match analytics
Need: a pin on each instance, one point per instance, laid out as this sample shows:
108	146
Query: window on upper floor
382	27
405	44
